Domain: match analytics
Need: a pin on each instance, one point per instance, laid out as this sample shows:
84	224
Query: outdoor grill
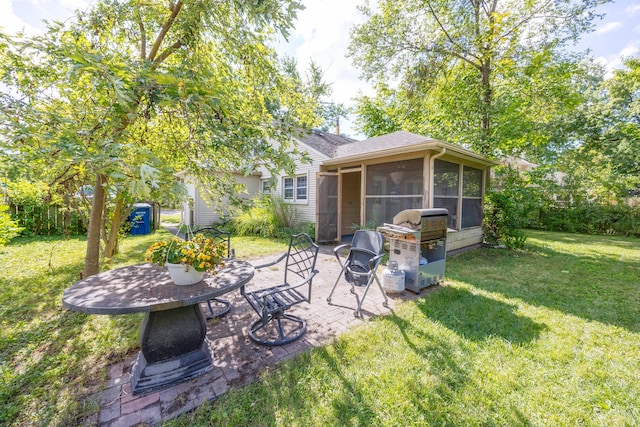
417	242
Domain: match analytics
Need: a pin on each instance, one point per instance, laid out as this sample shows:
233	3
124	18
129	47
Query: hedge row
589	219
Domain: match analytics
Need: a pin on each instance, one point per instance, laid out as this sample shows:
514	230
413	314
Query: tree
461	60
330	112
618	120
132	92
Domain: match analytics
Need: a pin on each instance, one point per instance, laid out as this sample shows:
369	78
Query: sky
322	34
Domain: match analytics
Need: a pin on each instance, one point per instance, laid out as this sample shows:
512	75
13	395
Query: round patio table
173	343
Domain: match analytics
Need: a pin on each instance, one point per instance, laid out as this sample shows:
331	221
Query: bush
613	219
8	227
38	212
502	221
266	216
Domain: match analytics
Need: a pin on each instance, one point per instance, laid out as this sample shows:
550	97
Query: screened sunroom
369	182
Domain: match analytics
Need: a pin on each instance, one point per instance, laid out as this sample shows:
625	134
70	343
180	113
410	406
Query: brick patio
237	360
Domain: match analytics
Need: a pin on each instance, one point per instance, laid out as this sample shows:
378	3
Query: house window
458	189
301	187
265	186
288	188
295	189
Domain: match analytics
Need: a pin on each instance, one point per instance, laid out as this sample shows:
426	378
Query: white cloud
614	61
74	4
28	15
607	28
634	8
631	49
636	29
322	34
323	31
10	23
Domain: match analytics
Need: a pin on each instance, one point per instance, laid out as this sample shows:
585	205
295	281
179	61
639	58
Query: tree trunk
92	257
486	101
486	95
116	220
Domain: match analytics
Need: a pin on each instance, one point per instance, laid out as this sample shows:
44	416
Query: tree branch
445	52
168	51
143	40
175	9
451	40
523	21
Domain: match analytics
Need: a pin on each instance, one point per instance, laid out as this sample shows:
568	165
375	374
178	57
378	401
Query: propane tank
392	278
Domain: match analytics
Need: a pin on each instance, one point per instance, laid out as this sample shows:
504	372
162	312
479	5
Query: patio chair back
365	245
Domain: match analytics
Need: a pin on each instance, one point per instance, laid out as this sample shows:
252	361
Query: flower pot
183	274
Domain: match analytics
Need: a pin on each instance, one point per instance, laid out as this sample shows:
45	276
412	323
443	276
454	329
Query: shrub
40	212
614	219
8	227
266	216
502	225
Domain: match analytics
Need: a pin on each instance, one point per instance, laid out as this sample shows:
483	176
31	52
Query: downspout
431	163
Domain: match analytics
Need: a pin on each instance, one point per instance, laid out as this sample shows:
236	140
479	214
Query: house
352	184
199	211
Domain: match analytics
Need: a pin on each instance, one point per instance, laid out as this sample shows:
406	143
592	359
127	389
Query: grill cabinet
416	234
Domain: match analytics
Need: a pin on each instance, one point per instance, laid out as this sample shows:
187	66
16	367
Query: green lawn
545	336
50	356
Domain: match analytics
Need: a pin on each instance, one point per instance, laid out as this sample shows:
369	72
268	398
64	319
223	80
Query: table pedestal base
147	377
174	348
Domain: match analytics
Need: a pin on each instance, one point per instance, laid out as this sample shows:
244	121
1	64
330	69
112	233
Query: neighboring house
352	184
200	211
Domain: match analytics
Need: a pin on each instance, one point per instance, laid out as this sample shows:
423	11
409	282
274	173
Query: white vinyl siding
206	212
306	209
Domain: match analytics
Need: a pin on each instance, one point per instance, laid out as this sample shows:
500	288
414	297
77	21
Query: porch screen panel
471	197
327	208
446	177
391	188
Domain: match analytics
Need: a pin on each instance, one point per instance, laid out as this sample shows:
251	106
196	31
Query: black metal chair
271	303
360	264
220	237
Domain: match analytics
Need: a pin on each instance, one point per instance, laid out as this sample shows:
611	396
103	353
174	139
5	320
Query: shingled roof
384	142
324	142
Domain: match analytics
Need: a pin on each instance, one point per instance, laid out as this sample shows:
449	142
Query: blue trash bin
140	218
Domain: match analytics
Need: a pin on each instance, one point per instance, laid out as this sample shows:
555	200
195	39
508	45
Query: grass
174	218
545	336
51	357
